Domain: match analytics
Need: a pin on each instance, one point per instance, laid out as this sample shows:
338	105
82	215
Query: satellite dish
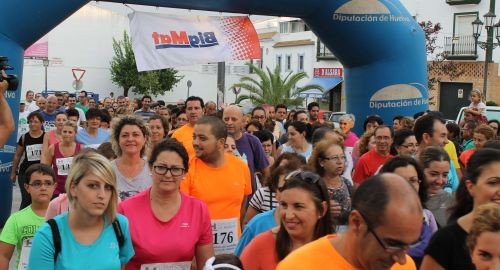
77	85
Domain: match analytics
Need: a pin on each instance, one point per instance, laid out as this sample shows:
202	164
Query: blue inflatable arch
380	45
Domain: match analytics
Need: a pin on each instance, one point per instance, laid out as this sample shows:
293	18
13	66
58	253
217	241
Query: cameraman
6	119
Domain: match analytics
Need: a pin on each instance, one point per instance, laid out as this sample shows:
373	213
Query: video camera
11	79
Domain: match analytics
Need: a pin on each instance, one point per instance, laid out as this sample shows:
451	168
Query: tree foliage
271	88
438	66
124	72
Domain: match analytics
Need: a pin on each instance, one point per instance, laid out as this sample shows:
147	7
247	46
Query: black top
448	248
32	150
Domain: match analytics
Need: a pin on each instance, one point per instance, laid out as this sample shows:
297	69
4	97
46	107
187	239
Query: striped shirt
264	200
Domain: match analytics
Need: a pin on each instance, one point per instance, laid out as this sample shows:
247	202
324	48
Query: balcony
460	48
462	2
323	53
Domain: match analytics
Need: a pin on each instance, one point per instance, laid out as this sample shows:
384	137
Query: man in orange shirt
194	111
385	221
220	180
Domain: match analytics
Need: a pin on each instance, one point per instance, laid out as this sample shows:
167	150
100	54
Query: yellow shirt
452	152
320	254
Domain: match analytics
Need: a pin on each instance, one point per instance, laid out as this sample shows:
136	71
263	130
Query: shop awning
328	83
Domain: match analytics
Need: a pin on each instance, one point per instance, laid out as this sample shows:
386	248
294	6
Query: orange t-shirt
320	254
465	156
260	253
184	135
222	189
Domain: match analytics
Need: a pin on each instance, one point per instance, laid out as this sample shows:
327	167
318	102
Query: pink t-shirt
351	139
173	241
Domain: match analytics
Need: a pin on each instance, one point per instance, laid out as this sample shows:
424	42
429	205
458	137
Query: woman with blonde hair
483	240
91	235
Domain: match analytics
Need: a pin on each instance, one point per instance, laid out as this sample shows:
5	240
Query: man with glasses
83	102
370	162
384	224
219	179
60	102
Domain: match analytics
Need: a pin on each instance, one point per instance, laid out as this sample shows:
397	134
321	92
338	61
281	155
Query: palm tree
270	88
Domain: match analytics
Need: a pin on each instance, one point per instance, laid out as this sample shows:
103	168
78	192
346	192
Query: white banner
161	41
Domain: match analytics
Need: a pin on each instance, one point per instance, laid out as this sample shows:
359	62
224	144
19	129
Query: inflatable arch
380	45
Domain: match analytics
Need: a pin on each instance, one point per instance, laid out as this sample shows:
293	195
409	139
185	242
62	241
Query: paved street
15	207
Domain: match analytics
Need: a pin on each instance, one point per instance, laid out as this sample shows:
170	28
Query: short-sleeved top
129	187
438	204
251	150
264	200
49	120
144	115
428	229
84	138
465	156
223	189
320	254
189	228
61	165
448	248
480	107
452	152
368	164
289	149
184	135
452	183
19	231
32	150
105	253
263	247
351	139
257	225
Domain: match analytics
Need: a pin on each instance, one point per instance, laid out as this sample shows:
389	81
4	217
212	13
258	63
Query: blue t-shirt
452	184
83	137
104	253
258	224
49	120
252	152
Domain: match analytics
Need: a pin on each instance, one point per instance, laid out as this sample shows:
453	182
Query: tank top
32	150
61	165
52	138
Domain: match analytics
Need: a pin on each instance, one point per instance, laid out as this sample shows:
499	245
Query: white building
84	41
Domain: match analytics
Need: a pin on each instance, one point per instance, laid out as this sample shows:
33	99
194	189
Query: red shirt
368	164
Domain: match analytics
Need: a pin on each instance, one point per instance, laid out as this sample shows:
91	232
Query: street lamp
46	64
489	45
189	84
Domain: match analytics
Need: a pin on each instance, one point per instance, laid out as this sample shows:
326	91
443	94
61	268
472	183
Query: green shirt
468	144
19	231
84	108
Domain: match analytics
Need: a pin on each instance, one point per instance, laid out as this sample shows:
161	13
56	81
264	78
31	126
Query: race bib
34	152
25	253
63	165
225	232
167	266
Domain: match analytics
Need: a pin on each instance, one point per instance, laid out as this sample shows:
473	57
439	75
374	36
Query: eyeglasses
39	184
392	248
174	171
336	158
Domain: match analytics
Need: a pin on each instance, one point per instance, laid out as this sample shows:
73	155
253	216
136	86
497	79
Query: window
288	62
278	61
283	27
300	62
323	52
294	26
